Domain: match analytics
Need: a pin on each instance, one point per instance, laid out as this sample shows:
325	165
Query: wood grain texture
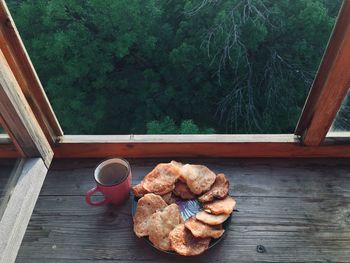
13	49
19	207
298	209
331	83
7	148
19	119
216	145
183	138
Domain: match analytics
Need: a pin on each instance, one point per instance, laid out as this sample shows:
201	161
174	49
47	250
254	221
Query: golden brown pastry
160	225
199	229
211	219
184	243
198	178
217	207
146	206
181	190
169	198
138	190
219	190
161	179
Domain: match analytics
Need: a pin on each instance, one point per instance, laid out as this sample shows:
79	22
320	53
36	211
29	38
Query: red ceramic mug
113	180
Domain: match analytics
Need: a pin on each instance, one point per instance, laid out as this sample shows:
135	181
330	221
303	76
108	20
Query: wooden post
331	84
16	55
18	205
18	118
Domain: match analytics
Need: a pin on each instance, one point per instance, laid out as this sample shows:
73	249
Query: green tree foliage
168	126
177	66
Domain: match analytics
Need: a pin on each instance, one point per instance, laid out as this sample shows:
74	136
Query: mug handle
90	193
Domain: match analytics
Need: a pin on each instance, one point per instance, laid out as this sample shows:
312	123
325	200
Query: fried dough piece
161	179
199	229
169	198
184	243
138	190
217	207
177	164
181	190
160	225
146	206
219	190
197	177
211	219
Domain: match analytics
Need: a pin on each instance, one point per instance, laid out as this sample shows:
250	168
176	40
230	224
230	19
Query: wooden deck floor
299	210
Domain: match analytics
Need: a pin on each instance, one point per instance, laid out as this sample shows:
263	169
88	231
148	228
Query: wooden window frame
250	145
27	140
35	133
20	64
326	95
324	100
7	148
27	117
330	86
18	119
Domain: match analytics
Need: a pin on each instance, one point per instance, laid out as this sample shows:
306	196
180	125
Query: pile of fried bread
158	216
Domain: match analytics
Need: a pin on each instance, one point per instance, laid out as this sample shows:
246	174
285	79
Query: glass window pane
342	121
229	66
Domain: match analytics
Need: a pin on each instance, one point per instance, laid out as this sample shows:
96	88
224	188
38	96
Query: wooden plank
8	150
74	177
103	146
331	83
15	53
315	228
176	138
223	145
295	223
18	118
19	208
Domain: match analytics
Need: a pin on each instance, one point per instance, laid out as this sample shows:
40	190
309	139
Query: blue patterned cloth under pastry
189	208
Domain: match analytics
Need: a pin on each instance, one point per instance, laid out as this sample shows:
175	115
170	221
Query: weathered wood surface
298	209
18	206
7	148
18	118
197	146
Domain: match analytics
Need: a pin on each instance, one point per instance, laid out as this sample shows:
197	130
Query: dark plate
188	208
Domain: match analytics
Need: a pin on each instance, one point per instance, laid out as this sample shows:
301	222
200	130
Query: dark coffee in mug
111	174
113	180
